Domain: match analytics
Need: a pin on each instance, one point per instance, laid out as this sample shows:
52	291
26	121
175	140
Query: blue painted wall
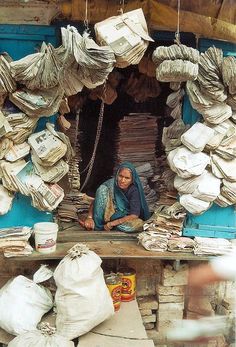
19	41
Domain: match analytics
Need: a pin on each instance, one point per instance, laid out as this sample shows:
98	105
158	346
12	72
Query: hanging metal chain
86	21
77	114
177	35
122	7
91	162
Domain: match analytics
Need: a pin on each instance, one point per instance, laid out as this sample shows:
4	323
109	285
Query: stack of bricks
170	295
148	308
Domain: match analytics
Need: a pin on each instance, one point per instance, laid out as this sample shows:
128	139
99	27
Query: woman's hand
108	226
89	223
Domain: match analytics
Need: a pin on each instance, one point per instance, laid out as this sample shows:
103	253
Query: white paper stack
37	71
208	246
6	199
127	35
5	127
186	163
22	126
229	73
208	187
7	83
197	137
38	103
47	148
176	63
17	152
14	241
94	63
194	205
156	241
171	135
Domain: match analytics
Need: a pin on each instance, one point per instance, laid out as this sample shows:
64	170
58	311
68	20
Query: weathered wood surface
112	250
74	233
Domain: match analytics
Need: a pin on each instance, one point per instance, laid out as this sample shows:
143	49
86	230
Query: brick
147	303
170	306
145	312
149	319
149	326
193	315
170	298
200	305
157	337
164	325
169	315
171	290
171	277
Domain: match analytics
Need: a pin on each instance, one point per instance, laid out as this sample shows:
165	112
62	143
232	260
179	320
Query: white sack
23	302
82	298
38	338
197	137
194	205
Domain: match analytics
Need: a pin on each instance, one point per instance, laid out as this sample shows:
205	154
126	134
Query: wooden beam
111	250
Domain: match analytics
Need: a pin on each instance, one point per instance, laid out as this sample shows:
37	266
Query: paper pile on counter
14	241
215	246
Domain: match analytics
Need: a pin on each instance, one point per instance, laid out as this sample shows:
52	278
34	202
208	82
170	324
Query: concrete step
125	328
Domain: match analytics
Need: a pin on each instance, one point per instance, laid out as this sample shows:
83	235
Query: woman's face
124	178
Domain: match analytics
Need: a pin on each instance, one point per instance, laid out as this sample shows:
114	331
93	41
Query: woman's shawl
121	203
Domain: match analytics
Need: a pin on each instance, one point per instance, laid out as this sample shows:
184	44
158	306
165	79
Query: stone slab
127	322
94	340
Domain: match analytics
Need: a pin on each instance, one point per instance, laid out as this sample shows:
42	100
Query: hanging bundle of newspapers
227	194
5	127
197	137
127	36
174	101
94	63
208	94
38	103
6	199
171	135
21	126
46	147
176	63
22	177
5	146
7	83
37	71
229	73
186	163
68	75
210	74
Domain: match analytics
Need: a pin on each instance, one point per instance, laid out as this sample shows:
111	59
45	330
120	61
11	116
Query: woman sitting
119	203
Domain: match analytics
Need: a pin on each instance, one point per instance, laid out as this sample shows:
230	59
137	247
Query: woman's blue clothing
111	201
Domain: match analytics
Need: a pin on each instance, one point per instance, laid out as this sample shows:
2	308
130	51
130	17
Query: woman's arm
89	222
109	225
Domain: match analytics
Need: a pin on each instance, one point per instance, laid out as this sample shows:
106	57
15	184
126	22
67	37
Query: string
86	22
122	6
177	35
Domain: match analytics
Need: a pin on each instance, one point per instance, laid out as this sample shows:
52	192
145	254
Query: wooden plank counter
112	250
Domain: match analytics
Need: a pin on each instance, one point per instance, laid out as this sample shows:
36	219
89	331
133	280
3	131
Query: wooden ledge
112	250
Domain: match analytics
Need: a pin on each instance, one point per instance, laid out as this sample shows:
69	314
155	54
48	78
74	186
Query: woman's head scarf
120	198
